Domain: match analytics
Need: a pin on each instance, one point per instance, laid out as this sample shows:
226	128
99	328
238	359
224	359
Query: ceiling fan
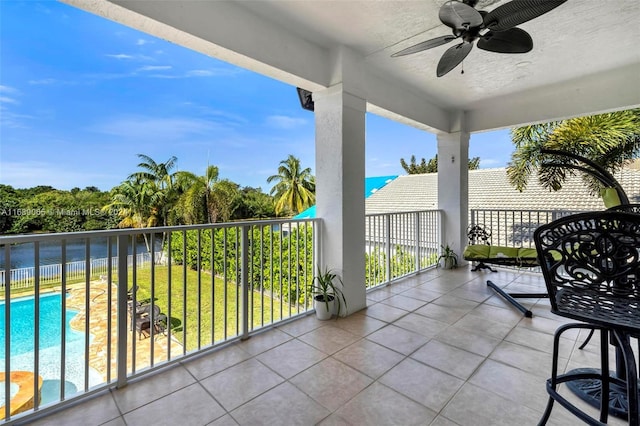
495	31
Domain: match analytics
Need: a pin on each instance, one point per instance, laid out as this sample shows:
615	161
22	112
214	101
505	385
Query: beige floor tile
291	358
443	421
151	388
384	312
264	341
450	301
283	405
334	420
442	313
192	404
302	325
468	340
214	362
476	291
428	386
516	385
398	339
94	411
331	383
404	302
474	406
427	327
449	359
369	358
539	340
240	383
422	292
329	339
484	325
225	420
525	358
359	324
381	405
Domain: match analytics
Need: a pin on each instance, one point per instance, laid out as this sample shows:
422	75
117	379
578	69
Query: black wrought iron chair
591	267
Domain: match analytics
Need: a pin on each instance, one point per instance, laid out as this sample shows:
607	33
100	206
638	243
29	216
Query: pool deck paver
104	343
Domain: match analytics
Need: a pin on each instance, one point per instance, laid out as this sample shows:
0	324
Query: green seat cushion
524	253
476	251
610	197
503	252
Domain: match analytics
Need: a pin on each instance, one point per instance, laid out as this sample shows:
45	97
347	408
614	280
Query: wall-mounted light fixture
306	100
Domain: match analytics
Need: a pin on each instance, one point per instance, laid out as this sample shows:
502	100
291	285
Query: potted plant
327	298
448	257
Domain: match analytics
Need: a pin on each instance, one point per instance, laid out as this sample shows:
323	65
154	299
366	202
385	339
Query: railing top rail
27	238
402	212
525	210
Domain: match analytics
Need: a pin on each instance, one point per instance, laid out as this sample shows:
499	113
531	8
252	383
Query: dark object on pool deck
591	267
145	316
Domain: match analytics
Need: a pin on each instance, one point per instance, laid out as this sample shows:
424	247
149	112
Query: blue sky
81	96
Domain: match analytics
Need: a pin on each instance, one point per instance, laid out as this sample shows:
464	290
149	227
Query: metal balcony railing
400	244
92	310
514	228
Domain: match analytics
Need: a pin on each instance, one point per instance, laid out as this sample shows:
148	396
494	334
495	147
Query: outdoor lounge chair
481	250
145	316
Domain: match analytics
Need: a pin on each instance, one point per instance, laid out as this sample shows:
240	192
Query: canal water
22	255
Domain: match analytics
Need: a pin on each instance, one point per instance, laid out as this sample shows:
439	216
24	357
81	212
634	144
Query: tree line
156	195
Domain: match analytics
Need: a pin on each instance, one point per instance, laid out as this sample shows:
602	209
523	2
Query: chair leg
552	382
605	376
586	340
632	377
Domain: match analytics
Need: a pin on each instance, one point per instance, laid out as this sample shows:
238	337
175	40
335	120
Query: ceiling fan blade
514	40
517	12
452	57
459	16
429	44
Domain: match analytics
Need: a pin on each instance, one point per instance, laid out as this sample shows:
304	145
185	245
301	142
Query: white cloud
120	56
143	128
7	89
154	68
7	100
214	72
142	42
42	81
285	122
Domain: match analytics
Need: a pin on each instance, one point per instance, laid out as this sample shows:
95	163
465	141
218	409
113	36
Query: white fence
24	277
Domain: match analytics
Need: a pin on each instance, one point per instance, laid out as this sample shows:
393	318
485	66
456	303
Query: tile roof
490	189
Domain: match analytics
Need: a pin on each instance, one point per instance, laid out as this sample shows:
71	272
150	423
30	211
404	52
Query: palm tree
196	204
610	140
295	187
135	200
159	178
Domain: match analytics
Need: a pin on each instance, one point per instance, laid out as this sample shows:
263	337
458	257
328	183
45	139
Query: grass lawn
212	311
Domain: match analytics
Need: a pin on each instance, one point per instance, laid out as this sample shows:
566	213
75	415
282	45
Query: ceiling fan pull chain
462	63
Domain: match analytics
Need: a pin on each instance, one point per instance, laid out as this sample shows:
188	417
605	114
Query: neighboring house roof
371	186
490	189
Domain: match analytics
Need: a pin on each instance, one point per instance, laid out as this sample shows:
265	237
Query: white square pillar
453	187
340	172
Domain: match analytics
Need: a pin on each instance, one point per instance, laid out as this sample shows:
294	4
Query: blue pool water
50	357
23	324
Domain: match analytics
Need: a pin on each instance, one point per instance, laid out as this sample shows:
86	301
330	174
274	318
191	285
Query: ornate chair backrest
631	208
591	266
478	234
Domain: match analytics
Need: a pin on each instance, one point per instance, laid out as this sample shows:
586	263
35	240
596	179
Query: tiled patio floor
436	349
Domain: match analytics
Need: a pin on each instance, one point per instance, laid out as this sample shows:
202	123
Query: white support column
453	187
340	172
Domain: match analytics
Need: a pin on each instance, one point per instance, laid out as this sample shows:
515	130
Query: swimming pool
23	345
